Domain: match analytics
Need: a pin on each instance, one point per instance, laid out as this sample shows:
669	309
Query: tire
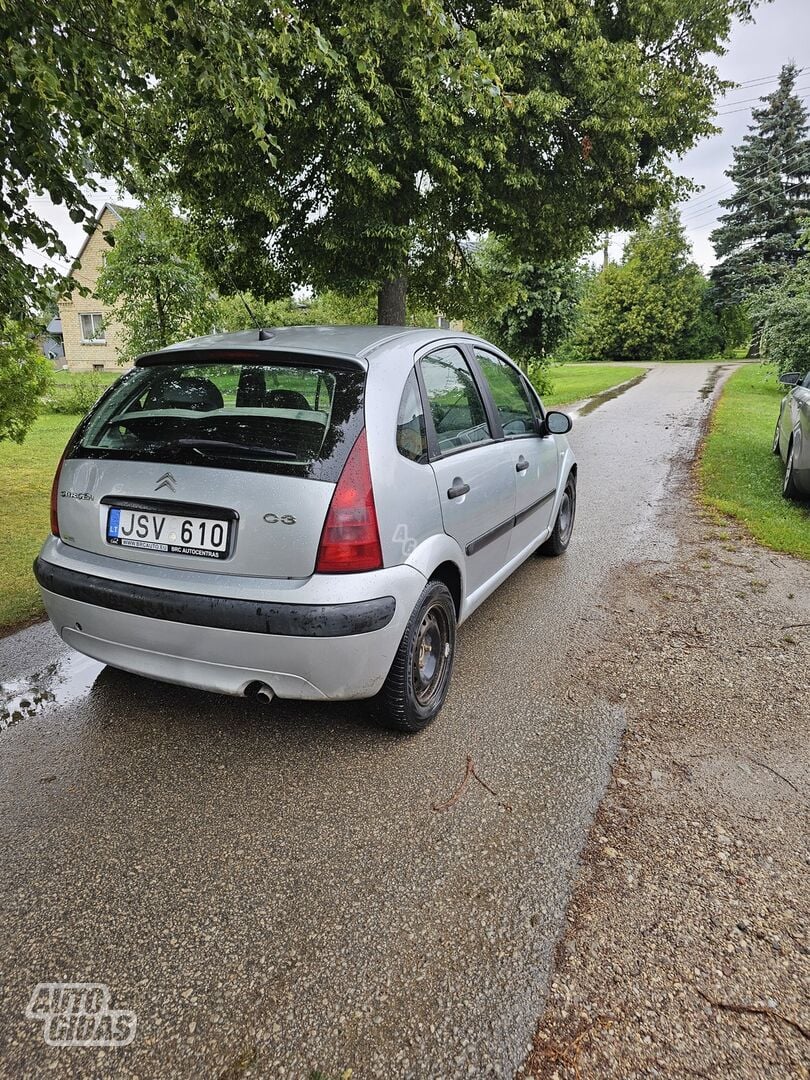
790	488
417	684
560	537
775	447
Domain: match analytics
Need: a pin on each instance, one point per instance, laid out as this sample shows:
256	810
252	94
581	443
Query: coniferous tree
757	236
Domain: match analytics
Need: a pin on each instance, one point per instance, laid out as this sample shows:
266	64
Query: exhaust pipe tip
259	691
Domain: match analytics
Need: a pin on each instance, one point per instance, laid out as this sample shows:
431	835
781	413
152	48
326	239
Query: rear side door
474	472
533	458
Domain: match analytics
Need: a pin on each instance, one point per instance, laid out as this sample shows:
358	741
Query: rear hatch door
216	464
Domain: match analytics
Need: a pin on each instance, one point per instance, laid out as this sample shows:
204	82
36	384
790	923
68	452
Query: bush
76	397
25	376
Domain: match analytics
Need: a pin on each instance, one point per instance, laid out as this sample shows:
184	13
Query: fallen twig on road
795	626
470	772
756	1010
762	765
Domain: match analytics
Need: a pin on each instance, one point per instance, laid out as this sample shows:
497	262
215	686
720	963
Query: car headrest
187	392
252	389
287	399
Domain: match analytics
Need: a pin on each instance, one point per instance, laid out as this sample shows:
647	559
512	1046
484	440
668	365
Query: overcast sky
756	52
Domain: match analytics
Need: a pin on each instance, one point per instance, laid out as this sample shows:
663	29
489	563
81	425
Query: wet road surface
270	889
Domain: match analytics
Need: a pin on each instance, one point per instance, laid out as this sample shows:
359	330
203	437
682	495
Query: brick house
89	331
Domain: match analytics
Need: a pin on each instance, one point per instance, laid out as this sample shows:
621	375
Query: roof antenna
264	335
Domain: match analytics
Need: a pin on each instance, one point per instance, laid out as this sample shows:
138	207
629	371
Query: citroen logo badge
166	481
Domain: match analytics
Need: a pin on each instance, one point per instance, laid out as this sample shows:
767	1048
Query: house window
93	329
98	367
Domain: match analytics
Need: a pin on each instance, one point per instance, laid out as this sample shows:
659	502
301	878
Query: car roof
348	342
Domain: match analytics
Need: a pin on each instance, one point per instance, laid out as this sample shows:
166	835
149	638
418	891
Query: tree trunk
161	313
391	302
753	350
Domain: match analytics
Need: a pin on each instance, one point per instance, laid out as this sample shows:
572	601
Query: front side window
453	399
93	328
287	418
509	394
411	438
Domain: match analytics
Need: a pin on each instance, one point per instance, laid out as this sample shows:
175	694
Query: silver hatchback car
307	512
791	440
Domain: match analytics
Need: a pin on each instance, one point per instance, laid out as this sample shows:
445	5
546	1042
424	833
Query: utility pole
605	250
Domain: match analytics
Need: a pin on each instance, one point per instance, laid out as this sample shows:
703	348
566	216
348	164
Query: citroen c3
303	512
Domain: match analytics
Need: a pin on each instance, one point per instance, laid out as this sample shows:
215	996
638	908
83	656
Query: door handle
522	464
458	489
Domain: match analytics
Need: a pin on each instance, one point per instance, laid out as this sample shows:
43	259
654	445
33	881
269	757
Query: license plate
172	533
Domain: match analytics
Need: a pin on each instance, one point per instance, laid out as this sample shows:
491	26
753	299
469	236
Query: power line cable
704	195
744	101
748	107
751	206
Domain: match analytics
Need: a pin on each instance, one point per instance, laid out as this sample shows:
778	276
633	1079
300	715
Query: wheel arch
450	575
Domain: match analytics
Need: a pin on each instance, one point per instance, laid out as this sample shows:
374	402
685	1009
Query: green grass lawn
740	475
573	382
65	378
27	473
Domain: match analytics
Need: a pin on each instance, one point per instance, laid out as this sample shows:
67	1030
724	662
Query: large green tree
76	77
757	235
656	305
154	280
542	120
783	313
525	307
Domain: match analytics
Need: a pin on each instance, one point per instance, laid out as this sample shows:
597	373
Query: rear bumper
218	612
317	651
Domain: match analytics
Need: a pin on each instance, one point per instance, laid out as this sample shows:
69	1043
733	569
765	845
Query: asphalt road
270	889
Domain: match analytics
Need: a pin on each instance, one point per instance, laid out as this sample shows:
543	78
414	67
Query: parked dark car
791	440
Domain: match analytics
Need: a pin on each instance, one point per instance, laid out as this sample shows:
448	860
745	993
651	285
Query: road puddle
608	395
708	387
57	684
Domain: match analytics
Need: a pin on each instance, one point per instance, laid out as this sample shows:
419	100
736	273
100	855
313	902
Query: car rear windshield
299	418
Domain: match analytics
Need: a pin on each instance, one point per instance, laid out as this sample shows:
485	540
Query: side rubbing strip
488	537
534	506
499	530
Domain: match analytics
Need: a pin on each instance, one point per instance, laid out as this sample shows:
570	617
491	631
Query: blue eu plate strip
113	522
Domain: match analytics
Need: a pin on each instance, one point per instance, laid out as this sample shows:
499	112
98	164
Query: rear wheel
419	678
560	537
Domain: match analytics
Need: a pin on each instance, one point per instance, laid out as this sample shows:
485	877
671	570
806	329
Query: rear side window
509	394
455	404
301	419
411	438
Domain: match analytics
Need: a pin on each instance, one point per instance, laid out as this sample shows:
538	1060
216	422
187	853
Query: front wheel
790	488
419	679
775	447
560	537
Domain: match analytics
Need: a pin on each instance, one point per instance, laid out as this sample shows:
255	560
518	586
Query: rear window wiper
214	446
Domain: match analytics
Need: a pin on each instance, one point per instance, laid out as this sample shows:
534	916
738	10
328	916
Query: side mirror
790	378
556	423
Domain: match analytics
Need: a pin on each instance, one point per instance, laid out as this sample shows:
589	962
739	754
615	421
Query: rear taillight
350	541
55	496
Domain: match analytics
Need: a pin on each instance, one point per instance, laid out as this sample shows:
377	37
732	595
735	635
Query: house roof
116	210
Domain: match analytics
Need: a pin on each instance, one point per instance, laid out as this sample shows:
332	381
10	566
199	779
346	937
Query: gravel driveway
686	945
272	890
